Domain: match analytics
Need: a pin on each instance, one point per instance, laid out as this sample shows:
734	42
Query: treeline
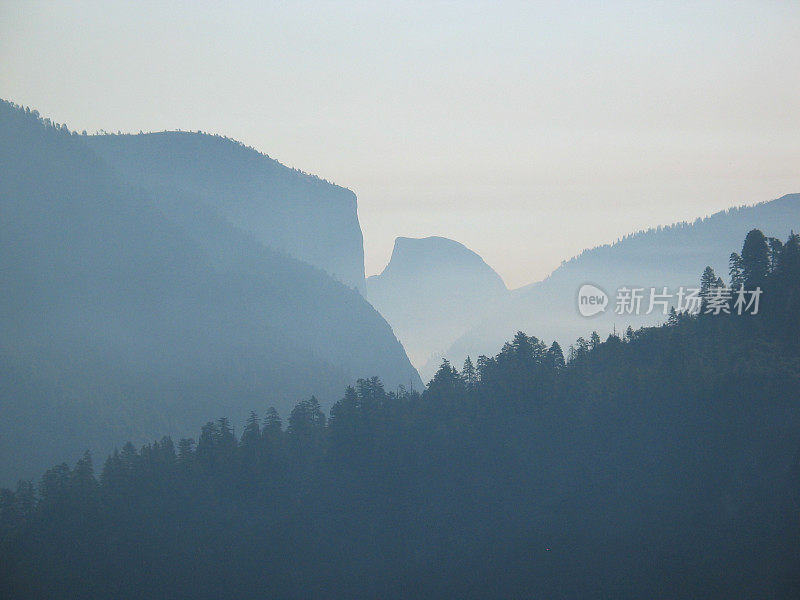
64	129
659	463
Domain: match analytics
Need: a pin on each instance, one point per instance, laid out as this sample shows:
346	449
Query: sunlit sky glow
526	131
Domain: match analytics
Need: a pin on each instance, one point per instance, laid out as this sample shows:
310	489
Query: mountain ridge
428	290
120	315
671	256
284	208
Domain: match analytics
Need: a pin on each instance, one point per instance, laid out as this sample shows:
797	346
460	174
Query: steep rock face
430	291
286	209
672	256
125	316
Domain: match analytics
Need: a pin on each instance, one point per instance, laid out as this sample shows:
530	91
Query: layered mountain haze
671	257
430	292
151	280
283	208
130	313
660	464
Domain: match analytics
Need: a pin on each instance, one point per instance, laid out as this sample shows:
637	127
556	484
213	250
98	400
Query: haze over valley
368	300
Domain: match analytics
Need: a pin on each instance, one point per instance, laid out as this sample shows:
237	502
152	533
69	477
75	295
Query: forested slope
124	318
661	463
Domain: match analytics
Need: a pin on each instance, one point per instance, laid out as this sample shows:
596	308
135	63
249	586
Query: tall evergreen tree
185	452
736	271
250	445
775	246
468	374
594	340
555	357
446	380
788	265
306	433
581	347
672	320
273	425
708	281
251	434
755	259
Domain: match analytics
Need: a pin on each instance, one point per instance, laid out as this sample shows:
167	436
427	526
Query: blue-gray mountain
283	208
128	312
429	293
672	256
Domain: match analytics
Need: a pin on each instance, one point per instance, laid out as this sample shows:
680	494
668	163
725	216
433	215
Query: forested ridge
665	256
128	314
662	462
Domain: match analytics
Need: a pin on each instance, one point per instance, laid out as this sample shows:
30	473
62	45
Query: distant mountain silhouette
672	256
128	313
283	208
429	292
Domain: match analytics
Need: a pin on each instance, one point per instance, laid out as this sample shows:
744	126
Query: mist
353	300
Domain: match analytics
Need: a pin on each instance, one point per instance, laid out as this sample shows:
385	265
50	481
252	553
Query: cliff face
127	315
285	209
430	291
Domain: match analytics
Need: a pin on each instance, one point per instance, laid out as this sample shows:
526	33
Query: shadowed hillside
668	256
283	208
120	319
662	463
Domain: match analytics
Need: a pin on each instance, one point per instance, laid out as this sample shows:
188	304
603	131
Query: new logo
591	300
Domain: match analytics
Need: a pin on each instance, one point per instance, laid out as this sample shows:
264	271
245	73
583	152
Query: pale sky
527	131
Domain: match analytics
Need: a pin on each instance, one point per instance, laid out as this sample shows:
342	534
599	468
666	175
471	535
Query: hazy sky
526	131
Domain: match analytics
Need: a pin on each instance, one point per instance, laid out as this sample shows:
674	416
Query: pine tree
594	340
708	281
484	366
736	271
273	425
83	485
755	259
272	437
673	317
468	374
629	334
555	357
446	380
306	417
251	434
346	423
129	458
788	265
207	453
55	484
775	248
306	433
250	444
84	470
185	452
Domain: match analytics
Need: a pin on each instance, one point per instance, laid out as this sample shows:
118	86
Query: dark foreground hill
661	464
127	314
